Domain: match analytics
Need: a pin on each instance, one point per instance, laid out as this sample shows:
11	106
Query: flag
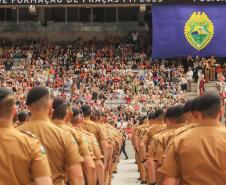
182	30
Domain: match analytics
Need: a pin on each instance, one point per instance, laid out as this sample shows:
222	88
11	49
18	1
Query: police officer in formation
187	147
59	144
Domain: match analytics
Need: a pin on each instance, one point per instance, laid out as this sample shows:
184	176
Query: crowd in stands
116	76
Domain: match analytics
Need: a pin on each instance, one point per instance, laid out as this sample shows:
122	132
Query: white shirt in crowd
135	36
189	75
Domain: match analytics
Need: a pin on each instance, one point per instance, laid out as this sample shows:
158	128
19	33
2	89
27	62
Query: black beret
4	92
207	101
22	115
76	111
36	94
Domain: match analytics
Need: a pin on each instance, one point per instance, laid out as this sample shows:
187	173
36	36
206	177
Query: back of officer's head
195	104
178	114
188	106
76	115
209	105
86	110
159	114
38	99
168	115
60	108
7	103
22	117
175	115
189	110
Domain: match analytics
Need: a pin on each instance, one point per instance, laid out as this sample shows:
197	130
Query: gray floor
127	169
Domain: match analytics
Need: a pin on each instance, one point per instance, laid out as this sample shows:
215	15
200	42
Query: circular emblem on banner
199	30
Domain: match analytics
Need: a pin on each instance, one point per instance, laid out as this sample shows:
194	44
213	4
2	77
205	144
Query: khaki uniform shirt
197	156
79	137
22	157
158	143
139	135
95	129
161	141
155	129
107	133
145	137
94	143
60	146
90	138
96	148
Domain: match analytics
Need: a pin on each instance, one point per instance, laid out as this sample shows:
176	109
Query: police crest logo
199	30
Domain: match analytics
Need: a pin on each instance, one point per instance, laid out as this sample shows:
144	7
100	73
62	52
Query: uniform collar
209	123
58	122
160	122
5	125
175	126
87	121
39	119
69	124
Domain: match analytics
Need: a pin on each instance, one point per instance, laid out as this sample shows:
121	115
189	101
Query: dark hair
209	105
35	94
76	112
60	107
178	114
22	116
86	110
194	104
188	106
7	102
175	113
168	113
151	115
159	114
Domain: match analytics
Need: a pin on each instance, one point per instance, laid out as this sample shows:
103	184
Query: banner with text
189	30
108	2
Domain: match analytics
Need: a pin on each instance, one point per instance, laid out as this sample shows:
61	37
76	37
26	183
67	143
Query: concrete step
209	84
209	87
192	93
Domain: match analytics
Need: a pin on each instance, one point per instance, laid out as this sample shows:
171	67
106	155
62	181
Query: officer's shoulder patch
28	133
84	138
74	141
42	149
